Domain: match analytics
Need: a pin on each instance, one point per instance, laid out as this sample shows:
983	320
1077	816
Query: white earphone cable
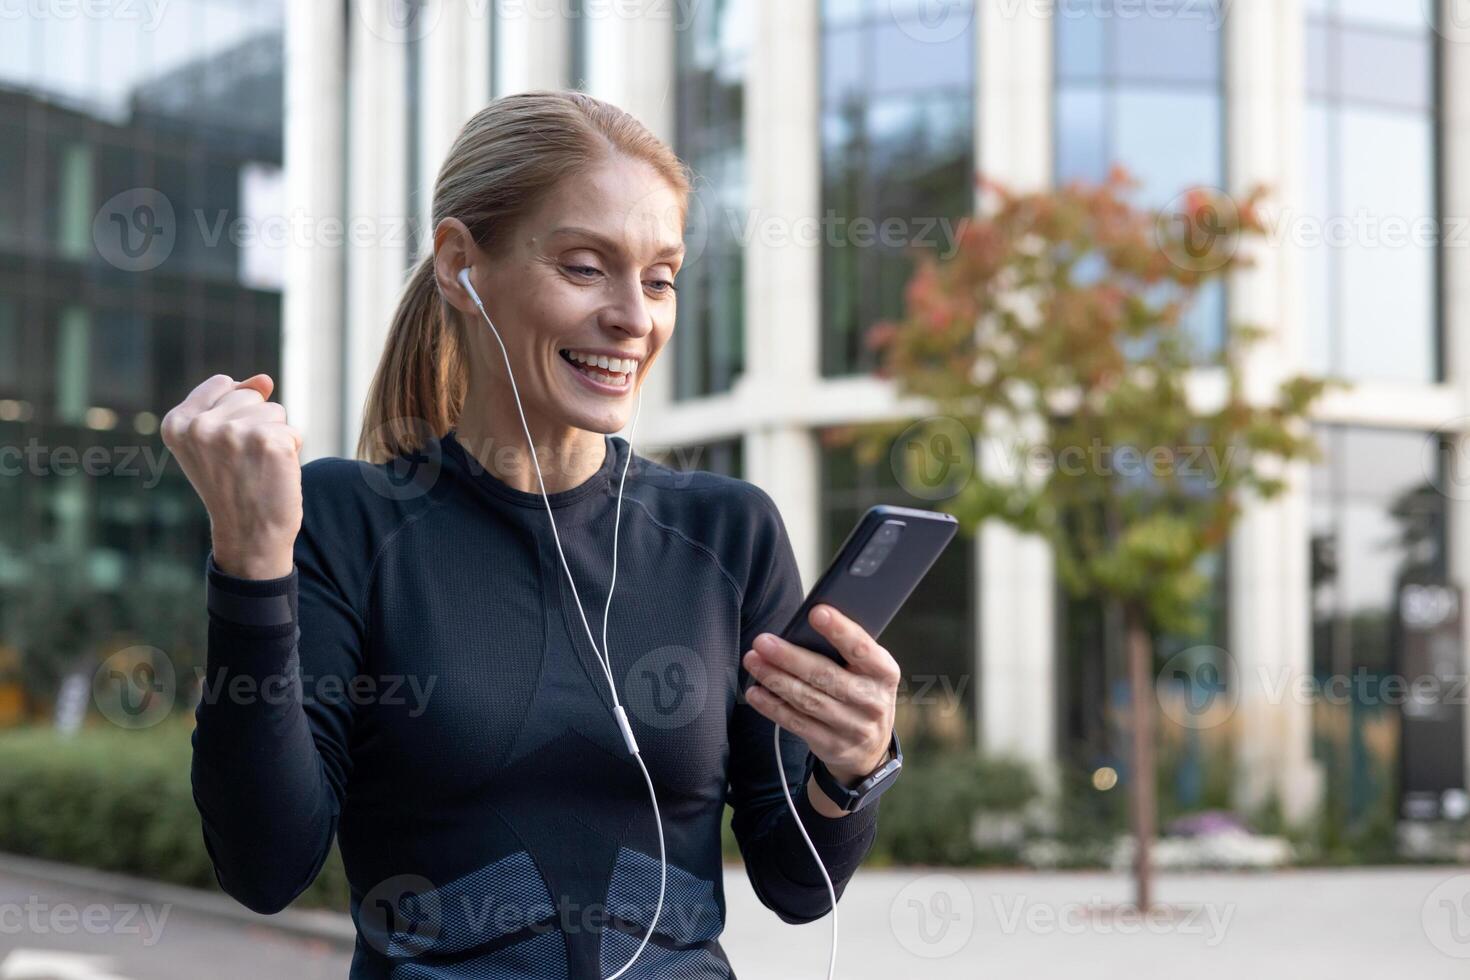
618	712
620	715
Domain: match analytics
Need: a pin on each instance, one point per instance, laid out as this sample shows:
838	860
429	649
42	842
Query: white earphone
619	714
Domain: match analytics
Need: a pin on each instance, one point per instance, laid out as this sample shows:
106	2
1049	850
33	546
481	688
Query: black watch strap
869	789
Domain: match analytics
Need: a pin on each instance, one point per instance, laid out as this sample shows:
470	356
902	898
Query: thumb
260	382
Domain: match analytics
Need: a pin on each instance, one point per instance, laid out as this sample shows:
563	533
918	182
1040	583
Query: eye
584	271
666	285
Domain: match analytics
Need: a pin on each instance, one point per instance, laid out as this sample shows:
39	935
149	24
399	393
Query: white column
377	176
783	276
454	60
311	342
1455	26
531	38
1017	644
1269	580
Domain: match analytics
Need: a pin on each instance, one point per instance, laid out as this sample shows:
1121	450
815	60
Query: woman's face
588	275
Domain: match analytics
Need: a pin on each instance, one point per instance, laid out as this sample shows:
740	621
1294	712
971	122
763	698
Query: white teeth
613	365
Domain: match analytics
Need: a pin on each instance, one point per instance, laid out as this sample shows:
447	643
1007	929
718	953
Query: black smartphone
885	556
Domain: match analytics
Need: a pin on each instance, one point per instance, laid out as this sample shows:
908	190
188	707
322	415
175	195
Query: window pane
1386	68
1170	141
1182	46
1388	289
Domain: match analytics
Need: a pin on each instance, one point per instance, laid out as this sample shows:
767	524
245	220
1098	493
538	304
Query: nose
627	310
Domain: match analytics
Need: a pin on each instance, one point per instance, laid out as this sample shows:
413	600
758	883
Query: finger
818	737
255	411
809	700
263	383
815	669
206	393
231	402
863	654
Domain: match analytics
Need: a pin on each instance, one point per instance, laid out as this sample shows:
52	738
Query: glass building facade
897	117
1372	172
1145	92
140	165
711	54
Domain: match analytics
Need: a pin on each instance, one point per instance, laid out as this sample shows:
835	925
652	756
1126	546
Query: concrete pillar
783	275
1455	210
1269	578
377	192
311	344
530	46
1016	642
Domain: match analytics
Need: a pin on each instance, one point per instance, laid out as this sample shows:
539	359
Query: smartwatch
872	786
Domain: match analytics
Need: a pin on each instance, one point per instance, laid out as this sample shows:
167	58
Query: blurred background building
808	124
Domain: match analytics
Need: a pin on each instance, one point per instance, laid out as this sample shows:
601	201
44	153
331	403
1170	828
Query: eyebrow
667	251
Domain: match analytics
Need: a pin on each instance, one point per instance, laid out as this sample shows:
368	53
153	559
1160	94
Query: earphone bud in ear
464	280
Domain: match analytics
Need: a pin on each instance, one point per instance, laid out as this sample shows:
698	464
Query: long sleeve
271	759
777	859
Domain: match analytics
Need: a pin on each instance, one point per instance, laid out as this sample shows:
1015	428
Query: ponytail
419	387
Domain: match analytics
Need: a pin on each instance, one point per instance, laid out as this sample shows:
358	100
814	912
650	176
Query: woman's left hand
843	713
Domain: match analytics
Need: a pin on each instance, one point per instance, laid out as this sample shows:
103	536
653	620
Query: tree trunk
1143	805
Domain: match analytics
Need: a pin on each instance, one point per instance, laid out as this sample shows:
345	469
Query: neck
492	433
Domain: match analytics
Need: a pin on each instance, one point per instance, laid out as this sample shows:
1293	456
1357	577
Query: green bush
118	801
928	815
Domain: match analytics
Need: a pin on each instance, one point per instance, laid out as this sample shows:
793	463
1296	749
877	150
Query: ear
455	252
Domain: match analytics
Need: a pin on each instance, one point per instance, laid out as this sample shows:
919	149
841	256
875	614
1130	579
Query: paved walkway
1343	925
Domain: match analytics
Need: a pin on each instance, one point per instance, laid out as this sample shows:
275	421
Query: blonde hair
505	161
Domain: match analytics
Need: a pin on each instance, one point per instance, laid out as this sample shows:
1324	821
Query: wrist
252	566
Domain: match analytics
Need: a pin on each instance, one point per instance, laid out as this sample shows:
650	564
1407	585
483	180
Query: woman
397	656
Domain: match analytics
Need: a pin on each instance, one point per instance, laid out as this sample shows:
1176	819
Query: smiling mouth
602	375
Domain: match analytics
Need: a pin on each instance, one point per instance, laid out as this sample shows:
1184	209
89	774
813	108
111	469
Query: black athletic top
421	685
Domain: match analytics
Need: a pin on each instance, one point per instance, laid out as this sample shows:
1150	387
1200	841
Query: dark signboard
1431	669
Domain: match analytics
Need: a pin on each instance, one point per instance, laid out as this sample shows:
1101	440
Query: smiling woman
552	806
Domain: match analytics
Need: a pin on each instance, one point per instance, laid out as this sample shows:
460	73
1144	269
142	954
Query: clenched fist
244	461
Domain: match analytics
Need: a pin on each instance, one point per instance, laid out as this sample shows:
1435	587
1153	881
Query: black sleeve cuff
262	604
